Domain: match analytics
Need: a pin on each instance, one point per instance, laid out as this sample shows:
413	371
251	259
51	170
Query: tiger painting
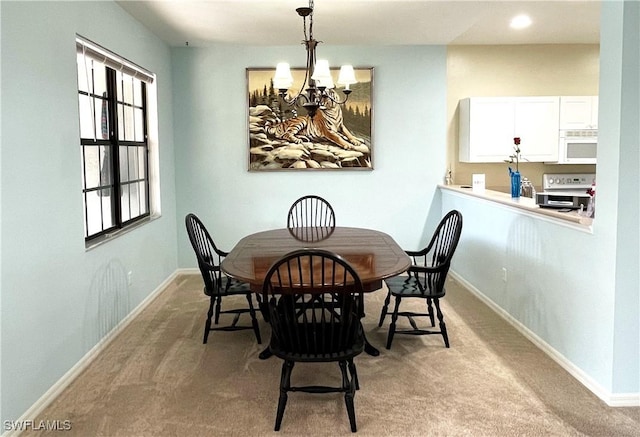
327	124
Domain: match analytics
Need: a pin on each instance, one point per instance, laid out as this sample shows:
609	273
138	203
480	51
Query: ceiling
368	22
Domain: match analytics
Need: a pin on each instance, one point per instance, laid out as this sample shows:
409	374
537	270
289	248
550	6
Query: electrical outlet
504	274
130	278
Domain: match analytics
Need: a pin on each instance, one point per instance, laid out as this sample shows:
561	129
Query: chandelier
318	83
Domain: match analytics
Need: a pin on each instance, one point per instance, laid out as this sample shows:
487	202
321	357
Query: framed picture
285	137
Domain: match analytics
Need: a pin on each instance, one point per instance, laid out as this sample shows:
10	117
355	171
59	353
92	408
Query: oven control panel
568	181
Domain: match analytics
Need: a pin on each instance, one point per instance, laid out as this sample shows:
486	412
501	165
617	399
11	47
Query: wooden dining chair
216	284
313	299
426	279
311	211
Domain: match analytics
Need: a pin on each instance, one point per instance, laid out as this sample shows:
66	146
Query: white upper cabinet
537	125
578	112
488	126
486	129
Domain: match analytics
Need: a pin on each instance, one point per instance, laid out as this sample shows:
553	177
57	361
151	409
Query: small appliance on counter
527	189
565	190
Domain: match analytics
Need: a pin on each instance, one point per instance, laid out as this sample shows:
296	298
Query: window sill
89	245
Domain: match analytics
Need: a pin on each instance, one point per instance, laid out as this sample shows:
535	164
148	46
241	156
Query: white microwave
578	146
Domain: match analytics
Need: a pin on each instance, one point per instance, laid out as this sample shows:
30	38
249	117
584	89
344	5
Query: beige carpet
158	379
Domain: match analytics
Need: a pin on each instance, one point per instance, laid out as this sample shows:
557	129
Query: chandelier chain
310	20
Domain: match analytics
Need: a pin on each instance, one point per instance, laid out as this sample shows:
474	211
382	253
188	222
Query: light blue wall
59	300
578	292
212	152
556	285
622	74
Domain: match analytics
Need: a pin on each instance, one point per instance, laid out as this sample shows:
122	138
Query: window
114	140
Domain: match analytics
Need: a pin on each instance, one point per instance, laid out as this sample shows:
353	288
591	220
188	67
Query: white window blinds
94	51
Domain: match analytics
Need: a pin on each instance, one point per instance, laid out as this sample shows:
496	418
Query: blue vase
515	184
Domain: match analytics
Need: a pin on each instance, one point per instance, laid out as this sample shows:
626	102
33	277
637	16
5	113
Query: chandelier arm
337	101
301	92
308	73
293	100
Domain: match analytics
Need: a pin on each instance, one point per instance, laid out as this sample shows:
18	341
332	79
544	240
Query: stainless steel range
565	190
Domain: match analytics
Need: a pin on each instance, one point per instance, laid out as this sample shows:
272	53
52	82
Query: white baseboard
611	399
624	400
57	388
187	271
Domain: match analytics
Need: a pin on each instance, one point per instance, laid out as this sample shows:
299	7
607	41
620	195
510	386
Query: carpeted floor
158	379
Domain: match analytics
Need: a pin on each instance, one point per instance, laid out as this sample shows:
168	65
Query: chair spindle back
439	252
208	255
310	211
314	302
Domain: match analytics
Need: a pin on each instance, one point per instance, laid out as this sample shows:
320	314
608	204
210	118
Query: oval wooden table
373	254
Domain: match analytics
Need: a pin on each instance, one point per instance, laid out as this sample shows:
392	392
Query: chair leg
261	308
443	327
430	309
394	318
254	320
264	310
354	373
207	324
349	387
285	385
345	375
218	306
385	307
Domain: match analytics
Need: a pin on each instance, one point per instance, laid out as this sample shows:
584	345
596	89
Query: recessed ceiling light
520	22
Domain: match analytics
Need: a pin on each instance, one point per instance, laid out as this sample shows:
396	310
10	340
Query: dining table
373	254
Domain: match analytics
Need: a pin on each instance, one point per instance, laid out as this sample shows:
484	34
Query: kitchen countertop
524	203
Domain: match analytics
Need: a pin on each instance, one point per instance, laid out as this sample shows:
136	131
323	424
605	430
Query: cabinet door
537	125
488	134
578	112
594	112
